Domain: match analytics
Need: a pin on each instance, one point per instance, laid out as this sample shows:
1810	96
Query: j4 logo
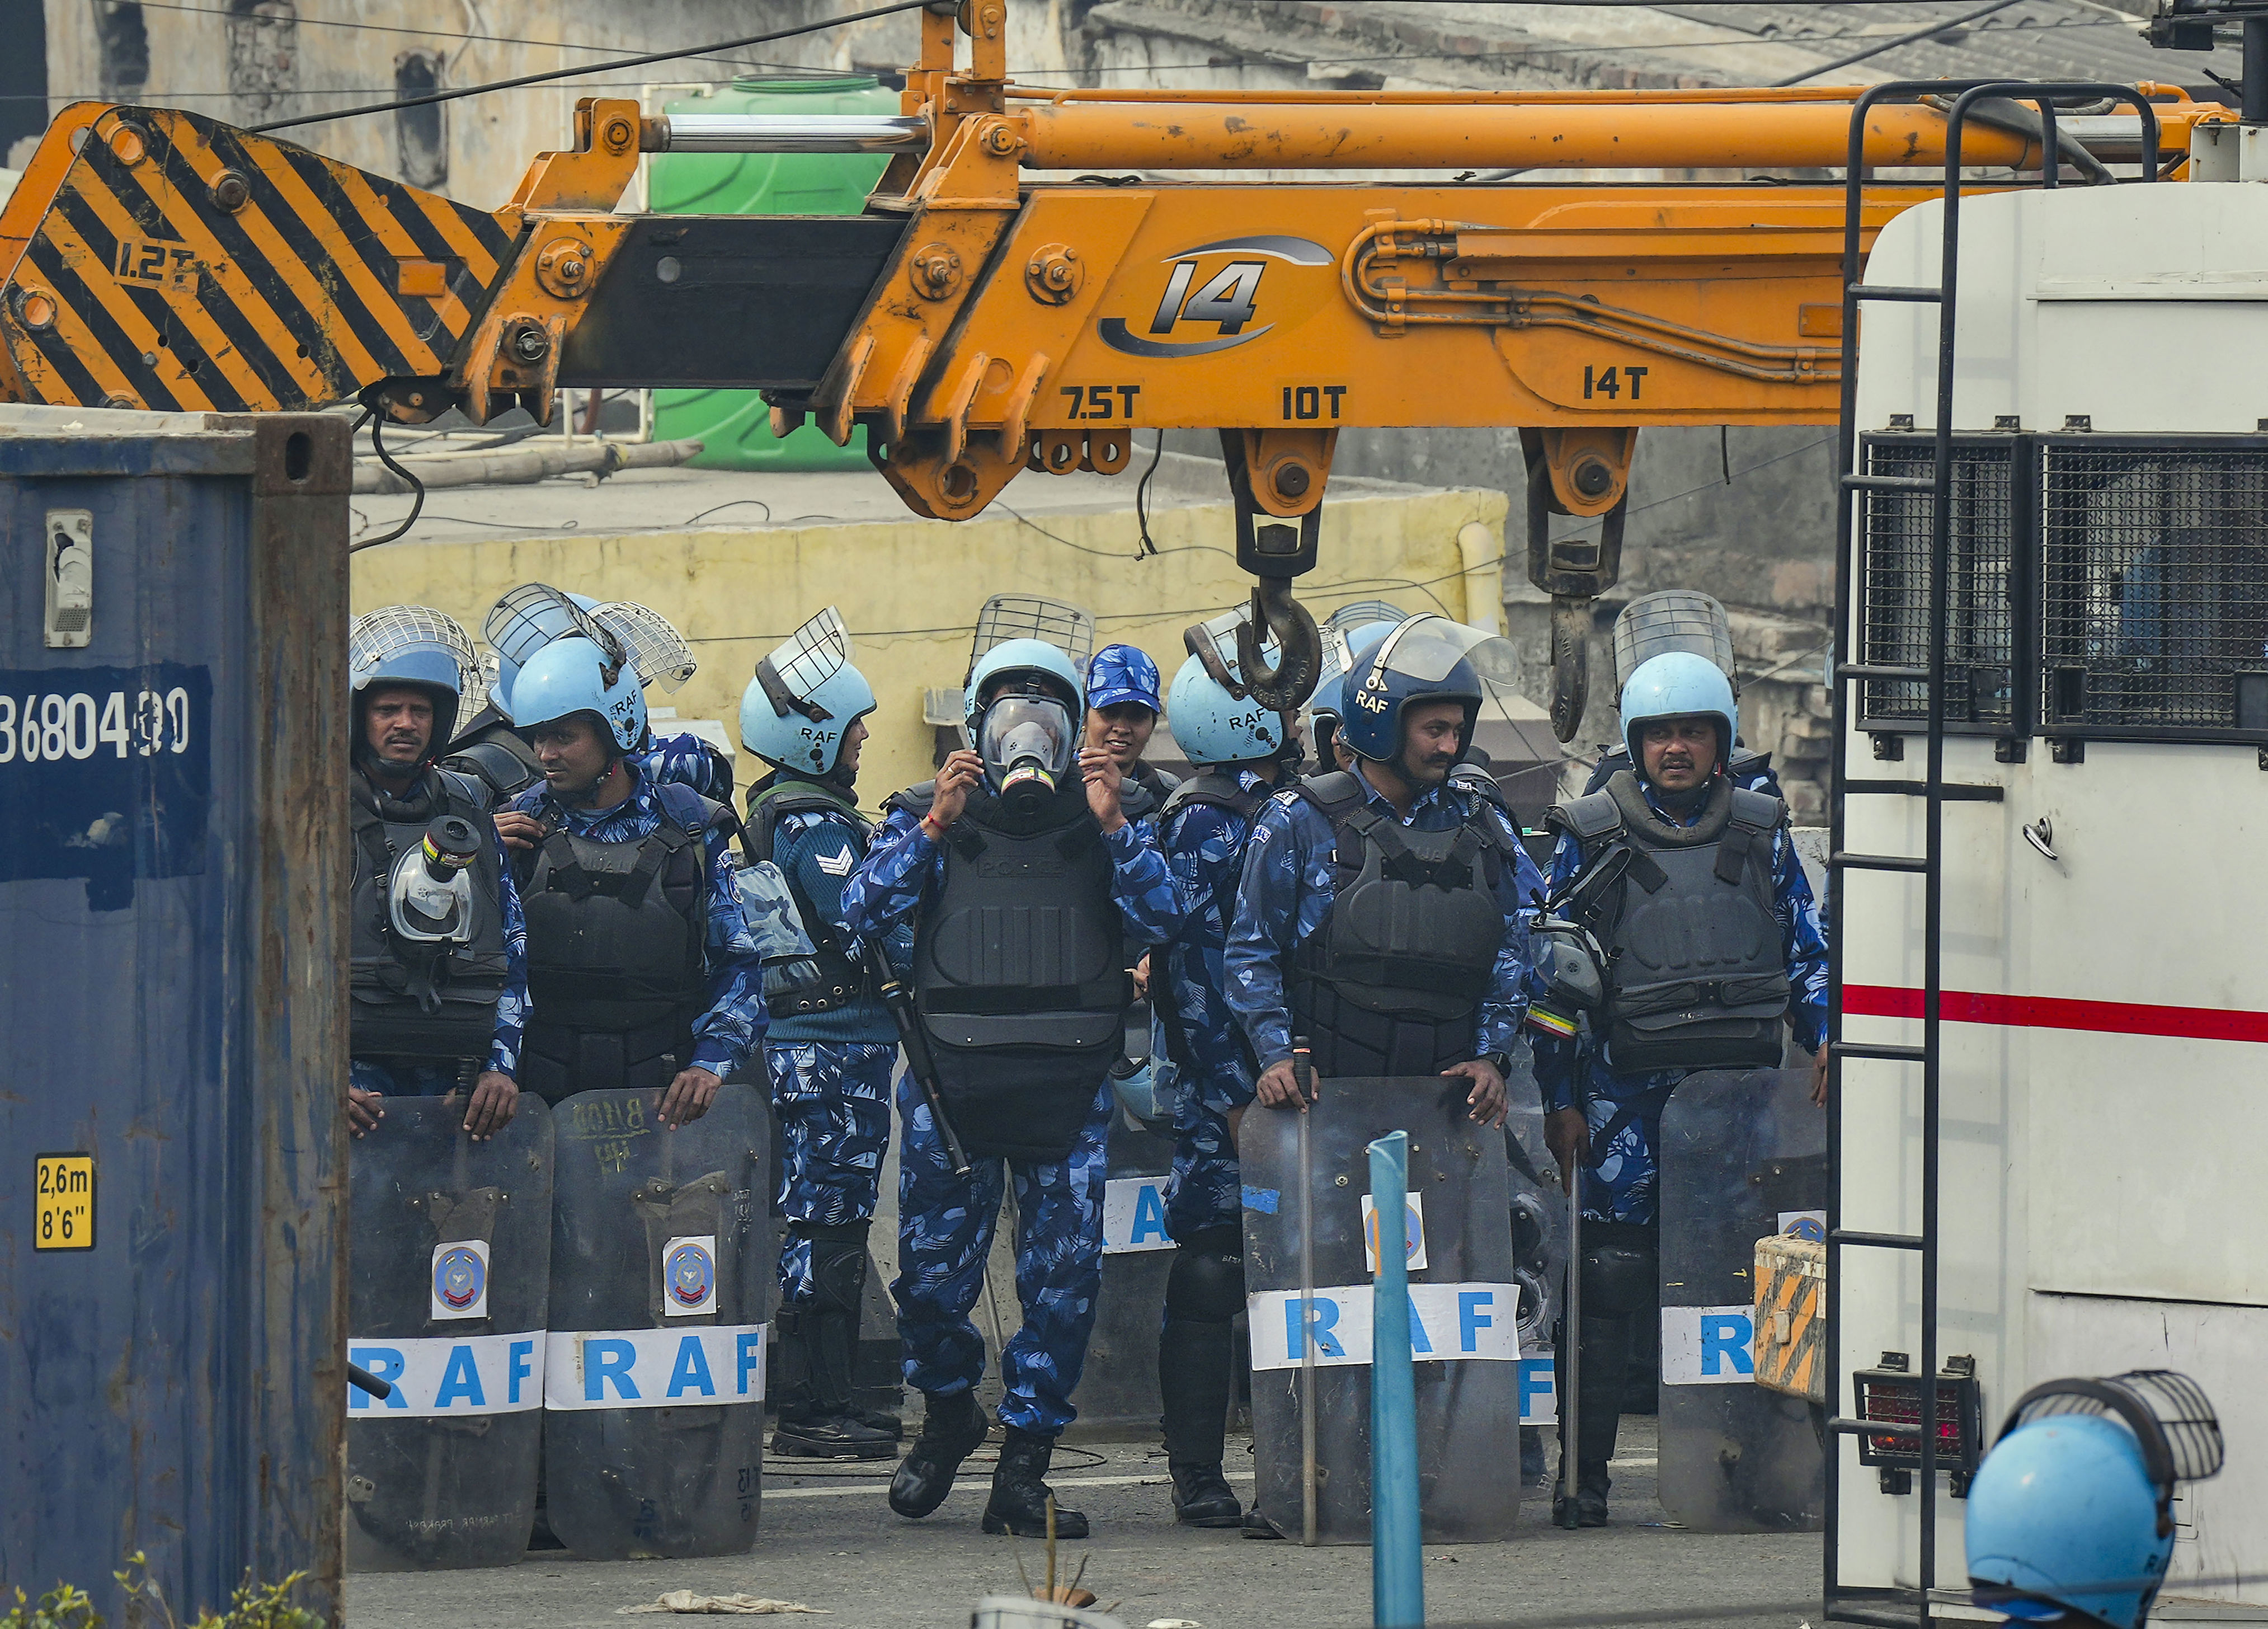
1211	301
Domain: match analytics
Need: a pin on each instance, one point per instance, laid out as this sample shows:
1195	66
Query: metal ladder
1840	1604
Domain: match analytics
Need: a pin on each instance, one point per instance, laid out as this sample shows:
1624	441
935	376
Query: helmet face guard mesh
1007	616
657	650
807	659
377	635
525	619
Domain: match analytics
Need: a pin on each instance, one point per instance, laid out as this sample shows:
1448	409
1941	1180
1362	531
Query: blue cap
1119	673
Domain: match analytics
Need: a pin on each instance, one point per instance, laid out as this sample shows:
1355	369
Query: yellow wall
911	589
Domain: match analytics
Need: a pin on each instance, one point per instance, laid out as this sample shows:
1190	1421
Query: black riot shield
1743	1156
450	1274
662	1268
1118	1390
1464	1300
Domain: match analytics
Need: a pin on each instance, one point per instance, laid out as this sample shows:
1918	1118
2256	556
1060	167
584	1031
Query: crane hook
1286	684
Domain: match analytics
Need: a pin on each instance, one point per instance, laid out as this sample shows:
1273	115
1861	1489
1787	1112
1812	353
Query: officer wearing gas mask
1380	913
1653	878
832	1046
489	751
439	984
1244	752
642	969
1025	880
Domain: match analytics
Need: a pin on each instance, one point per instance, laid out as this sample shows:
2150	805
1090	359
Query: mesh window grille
1980	630
2153	589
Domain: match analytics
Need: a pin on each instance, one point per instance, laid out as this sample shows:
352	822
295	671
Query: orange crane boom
979	321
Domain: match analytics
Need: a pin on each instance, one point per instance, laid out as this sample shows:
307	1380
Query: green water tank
734	426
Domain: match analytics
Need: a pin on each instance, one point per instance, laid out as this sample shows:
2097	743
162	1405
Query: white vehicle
2087	917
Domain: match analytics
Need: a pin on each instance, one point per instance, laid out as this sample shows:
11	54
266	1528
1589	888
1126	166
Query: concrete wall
279	59
909	589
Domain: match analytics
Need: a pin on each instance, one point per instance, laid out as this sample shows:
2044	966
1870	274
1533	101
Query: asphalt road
830	1542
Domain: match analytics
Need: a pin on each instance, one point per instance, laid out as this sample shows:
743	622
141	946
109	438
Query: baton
899	1002
1303	1071
1571	1343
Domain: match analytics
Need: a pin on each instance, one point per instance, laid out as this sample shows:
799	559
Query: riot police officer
1654	866
1243	752
438	982
489	751
1026	880
1429	975
642	969
832	1045
1123	708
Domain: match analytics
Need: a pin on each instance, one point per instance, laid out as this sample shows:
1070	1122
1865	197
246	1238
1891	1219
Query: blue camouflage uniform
830	1072
733	1027
1623	1185
1204	845
1286	899
945	1223
688	760
405	1077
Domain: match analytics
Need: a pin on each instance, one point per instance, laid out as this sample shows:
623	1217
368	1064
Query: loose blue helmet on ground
2071	1512
1121	673
1679	684
413	644
1424	659
804	697
1212	726
579	674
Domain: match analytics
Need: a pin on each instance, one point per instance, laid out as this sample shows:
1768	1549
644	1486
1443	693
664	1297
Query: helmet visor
657	650
1023	738
1428	649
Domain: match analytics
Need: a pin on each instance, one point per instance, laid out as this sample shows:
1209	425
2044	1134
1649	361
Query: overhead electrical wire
1918	36
433	97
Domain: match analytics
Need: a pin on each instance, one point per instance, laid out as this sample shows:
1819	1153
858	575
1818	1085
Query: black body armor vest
841	978
1392	983
490	754
616	964
1696	974
1019	973
409	1000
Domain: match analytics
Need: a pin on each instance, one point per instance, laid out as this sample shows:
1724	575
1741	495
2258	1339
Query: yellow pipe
1622	135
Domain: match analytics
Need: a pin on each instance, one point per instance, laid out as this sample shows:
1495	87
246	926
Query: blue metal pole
1397	1581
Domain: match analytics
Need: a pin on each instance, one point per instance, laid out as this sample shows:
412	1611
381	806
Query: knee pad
839	1264
1619	1280
1206	1284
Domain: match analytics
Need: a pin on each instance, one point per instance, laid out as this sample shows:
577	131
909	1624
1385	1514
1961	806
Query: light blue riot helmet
417	645
804	699
1424	659
1121	673
582	675
1026	708
522	622
1679	684
2071	1512
1212	726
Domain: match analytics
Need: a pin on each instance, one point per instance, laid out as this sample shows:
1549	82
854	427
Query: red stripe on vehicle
1969	1006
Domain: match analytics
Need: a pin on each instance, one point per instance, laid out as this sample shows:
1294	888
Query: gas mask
1570	967
430	894
1029	744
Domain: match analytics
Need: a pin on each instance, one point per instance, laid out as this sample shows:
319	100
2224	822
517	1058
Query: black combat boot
953	1429
1196	1351
1021	1494
827	1336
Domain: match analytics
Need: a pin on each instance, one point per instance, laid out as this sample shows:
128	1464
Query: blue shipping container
172	938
